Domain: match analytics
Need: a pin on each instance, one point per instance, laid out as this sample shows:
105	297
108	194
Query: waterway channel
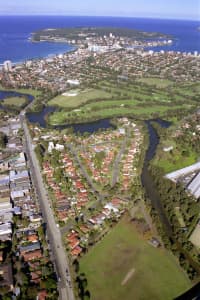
153	195
41	116
147	180
90	127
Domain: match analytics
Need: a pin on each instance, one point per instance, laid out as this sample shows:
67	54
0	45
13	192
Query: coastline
46	55
187	41
50	55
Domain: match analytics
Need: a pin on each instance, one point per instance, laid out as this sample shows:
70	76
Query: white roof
111	207
5	205
5	228
194	186
19	174
183	172
6	217
17	194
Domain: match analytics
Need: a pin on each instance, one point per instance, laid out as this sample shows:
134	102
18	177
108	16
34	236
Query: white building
5	229
51	147
59	147
74	82
7	66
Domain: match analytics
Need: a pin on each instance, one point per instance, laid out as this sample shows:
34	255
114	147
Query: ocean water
16	30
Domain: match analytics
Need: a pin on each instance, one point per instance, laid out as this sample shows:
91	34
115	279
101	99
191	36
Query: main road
60	258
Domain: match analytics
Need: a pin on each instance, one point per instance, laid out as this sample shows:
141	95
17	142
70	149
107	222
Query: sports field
125	266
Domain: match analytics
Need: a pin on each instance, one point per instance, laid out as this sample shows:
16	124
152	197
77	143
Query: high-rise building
7	66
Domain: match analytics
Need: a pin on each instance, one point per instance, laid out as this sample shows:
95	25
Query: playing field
124	266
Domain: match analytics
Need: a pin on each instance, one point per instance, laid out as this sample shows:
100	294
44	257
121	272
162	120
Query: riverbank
31	92
15	102
176	152
159	193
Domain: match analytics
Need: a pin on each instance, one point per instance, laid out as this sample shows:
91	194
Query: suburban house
6	276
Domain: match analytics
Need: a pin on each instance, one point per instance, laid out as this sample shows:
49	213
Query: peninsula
84	36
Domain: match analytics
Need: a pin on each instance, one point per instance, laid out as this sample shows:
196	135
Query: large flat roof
183	172
194	186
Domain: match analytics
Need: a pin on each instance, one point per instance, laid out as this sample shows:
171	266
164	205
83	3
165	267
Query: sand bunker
70	94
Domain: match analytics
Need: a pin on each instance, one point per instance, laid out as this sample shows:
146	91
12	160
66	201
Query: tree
58	174
3	140
40	153
32	292
50	284
76	265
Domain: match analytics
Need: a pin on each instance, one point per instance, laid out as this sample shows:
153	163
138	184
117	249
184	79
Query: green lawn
109	103
14	101
32	92
191	89
160	83
62	117
154	273
112	99
81	98
175	161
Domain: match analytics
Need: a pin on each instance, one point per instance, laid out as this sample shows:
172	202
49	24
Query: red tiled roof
32	255
76	251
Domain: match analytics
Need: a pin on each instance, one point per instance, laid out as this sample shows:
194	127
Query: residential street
116	165
85	174
58	251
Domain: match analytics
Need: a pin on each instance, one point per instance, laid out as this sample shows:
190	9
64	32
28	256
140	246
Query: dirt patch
128	276
141	226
